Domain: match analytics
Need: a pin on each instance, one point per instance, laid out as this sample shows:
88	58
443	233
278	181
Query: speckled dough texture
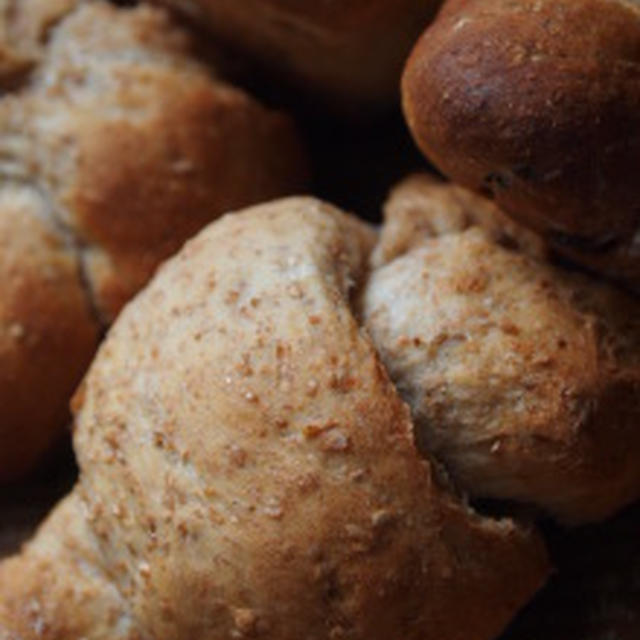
523	378
349	54
115	149
248	469
24	29
538	103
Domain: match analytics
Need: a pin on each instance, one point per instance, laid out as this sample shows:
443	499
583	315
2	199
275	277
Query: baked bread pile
241	442
305	424
115	147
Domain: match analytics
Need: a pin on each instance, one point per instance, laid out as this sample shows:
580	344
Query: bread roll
126	146
523	378
48	332
24	29
249	470
538	103
349	54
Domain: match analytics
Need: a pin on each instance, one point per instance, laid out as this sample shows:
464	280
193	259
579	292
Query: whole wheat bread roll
538	103
48	332
24	28
523	378
115	149
349	54
249	470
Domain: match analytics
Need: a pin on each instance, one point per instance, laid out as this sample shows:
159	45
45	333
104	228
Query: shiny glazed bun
538	103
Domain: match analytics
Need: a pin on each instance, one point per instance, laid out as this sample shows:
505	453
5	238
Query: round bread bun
538	103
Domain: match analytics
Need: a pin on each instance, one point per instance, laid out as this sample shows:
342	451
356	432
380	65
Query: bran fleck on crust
249	470
128	146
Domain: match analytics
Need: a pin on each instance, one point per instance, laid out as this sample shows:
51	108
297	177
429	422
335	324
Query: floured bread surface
24	28
137	144
523	378
128	146
248	468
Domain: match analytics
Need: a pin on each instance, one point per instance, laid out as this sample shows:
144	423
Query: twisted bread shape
116	148
248	468
523	378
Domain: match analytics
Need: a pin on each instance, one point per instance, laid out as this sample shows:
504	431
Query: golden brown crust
56	590
48	333
133	146
349	53
537	102
524	379
141	148
241	443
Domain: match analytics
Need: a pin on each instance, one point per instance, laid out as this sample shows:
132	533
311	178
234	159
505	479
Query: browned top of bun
538	103
114	149
139	145
48	332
